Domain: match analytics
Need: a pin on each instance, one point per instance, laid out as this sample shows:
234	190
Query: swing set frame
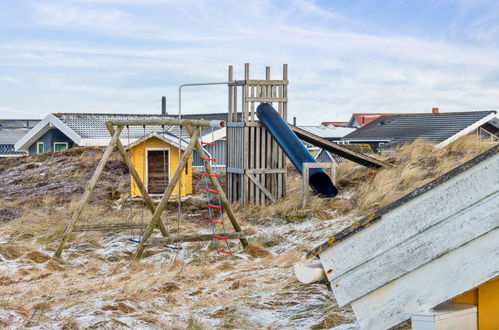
115	128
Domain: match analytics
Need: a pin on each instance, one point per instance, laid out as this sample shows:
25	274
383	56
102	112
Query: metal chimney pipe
294	121
163	105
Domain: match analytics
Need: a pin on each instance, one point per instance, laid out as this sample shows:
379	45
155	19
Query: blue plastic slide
295	150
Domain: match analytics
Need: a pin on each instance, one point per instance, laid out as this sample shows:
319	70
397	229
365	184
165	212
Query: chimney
434	110
163	105
294	121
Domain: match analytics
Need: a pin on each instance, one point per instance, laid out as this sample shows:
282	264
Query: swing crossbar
208	143
169	122
212	191
220	222
215	175
209	159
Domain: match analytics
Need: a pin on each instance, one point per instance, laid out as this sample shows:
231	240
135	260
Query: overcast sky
344	56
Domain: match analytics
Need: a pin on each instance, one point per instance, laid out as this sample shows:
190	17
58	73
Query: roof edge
41	128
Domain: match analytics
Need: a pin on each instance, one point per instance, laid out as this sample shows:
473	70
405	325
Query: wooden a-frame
155	211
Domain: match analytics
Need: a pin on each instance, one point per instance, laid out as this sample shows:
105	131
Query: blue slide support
295	150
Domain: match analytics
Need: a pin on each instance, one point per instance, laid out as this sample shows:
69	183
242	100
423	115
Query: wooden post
304	184
306	176
88	191
169	189
223	198
126	158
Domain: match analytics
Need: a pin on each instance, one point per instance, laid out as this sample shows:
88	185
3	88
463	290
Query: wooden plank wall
256	165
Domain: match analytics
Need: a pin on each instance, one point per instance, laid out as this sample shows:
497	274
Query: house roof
365	118
89	129
8	150
335	123
93	125
328	132
377	215
436	127
18	123
11	130
12	135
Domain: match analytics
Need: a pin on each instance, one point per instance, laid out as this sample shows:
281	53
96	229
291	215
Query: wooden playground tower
194	129
256	165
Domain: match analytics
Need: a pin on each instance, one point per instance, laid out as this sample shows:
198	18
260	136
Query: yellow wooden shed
155	157
486	298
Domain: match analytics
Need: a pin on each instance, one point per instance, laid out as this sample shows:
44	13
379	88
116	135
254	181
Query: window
58	146
40	148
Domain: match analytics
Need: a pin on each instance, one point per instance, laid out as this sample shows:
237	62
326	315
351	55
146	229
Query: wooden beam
223	198
143	190
339	150
169	189
88	192
262	188
169	121
192	238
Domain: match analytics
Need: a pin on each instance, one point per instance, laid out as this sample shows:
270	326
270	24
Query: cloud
111	55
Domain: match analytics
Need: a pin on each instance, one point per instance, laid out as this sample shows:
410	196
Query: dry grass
415	164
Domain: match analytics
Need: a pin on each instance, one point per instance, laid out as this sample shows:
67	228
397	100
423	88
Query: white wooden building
426	248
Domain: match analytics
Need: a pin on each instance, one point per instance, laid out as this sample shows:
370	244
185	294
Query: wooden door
157	171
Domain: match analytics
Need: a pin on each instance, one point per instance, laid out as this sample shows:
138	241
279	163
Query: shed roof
435	127
163	136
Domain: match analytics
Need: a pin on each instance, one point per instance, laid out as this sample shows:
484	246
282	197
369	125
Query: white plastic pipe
310	273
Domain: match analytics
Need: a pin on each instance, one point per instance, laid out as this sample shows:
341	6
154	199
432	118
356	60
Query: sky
344	56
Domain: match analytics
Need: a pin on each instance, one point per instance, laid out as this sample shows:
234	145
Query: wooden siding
48	139
256	165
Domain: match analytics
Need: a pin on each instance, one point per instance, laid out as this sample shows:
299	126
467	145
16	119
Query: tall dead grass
415	164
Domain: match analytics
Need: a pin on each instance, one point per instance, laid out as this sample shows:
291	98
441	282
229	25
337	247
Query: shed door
157	171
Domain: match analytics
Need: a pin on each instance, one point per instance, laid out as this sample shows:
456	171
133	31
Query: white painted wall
414	236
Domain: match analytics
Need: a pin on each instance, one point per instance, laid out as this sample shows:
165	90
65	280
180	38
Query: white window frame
65	143
146	169
38	144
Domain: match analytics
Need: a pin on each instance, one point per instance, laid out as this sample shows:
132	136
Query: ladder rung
217	221
224	251
215	206
219	237
209	159
208	143
212	190
213	174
